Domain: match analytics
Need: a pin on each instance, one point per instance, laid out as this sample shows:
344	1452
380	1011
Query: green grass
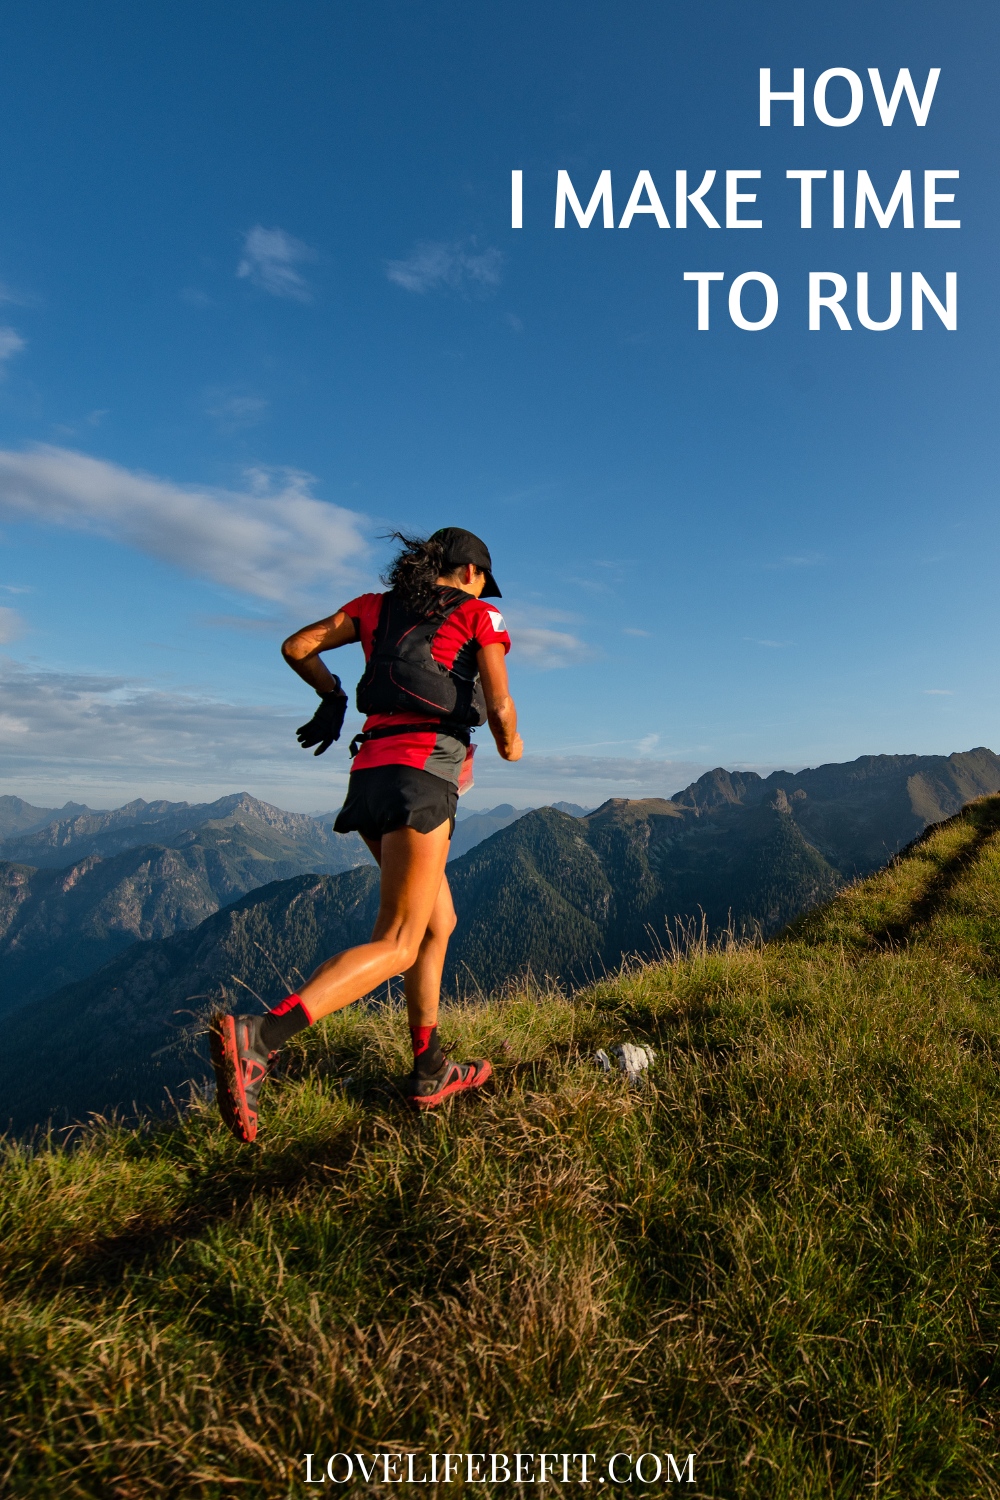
782	1254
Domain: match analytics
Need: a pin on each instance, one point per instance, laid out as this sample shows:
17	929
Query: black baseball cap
461	547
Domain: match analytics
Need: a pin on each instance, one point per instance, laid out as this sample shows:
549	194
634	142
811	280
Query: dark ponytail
414	573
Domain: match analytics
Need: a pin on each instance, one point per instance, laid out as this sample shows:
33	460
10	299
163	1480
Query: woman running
434	669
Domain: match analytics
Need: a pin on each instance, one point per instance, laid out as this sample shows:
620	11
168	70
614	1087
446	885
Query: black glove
326	723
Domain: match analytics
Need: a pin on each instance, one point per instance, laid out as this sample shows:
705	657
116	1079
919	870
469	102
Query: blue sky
263	300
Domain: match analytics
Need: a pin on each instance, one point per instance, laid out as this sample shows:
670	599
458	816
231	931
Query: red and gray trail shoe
240	1061
428	1090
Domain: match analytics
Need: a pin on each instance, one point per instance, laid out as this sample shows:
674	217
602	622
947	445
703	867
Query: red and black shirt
473	624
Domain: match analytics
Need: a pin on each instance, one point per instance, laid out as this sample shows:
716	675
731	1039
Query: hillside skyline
635	784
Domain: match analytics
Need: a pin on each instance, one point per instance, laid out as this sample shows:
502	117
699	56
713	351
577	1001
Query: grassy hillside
782	1255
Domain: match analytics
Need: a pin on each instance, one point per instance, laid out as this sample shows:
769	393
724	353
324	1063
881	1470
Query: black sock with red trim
284	1021
427	1055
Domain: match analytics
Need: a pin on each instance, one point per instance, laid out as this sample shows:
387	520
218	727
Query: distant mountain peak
631	809
717	788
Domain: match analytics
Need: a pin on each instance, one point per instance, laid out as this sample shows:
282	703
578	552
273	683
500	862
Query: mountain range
568	896
562	895
19	817
74	832
79	888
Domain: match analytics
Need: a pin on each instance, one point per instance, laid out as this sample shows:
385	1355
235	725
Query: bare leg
412	869
422	980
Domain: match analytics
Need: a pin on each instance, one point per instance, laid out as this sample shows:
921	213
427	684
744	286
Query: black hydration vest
401	675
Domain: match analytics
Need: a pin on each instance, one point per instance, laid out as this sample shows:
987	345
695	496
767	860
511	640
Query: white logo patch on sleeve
497	620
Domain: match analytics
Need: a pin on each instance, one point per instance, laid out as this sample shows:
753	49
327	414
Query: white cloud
626	630
648	744
774	645
594	585
272	540
434	265
77	729
72	429
11	343
107	739
546	649
269	260
939	692
534	642
12	627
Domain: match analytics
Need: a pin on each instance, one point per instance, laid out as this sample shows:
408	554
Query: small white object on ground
632	1060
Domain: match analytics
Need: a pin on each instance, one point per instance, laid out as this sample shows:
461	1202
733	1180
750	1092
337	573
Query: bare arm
302	650
500	710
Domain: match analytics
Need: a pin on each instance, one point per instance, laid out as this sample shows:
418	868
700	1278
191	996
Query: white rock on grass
631	1060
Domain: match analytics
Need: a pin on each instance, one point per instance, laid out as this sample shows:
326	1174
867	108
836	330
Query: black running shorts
381	799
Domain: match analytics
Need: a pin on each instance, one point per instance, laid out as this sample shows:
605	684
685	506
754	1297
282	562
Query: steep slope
59	925
471	829
475	824
570	896
747	869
